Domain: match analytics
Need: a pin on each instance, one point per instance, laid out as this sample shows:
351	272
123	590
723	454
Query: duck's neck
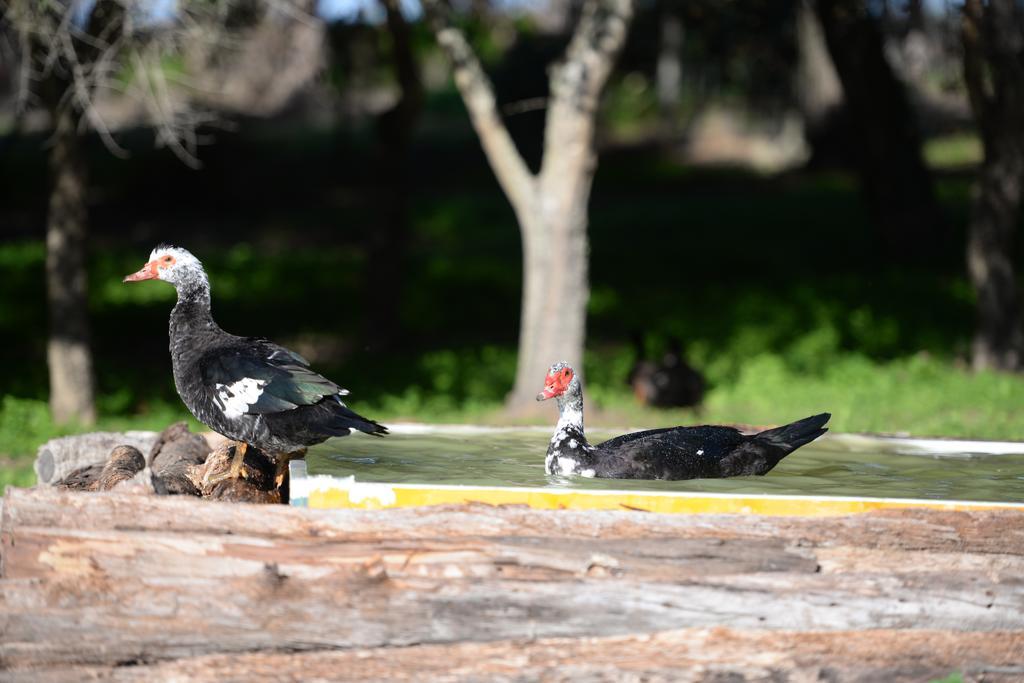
570	417
568	452
194	288
191	315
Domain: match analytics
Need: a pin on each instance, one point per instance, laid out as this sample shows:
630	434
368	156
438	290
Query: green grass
953	151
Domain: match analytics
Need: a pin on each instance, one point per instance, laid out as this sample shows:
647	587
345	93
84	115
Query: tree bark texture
552	325
72	394
551	206
120	586
885	139
993	38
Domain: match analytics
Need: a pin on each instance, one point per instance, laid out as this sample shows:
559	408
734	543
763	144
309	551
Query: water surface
515	457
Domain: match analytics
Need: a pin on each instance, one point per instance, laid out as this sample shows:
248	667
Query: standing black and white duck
669	453
247	388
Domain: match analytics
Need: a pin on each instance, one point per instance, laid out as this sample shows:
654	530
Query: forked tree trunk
551	206
993	35
68	353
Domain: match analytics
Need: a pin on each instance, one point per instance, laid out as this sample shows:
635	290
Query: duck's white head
179	267
171	264
561	381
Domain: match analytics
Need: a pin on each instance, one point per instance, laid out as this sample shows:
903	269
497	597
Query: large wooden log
984	532
717	654
106	579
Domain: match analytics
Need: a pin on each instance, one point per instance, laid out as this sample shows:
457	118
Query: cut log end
122	465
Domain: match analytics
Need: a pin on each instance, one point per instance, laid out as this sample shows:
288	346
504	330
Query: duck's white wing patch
235	398
566	465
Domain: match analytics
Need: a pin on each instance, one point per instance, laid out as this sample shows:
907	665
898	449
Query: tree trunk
68	353
819	94
896	184
994	73
388	244
552	323
66	92
669	73
999	341
818	90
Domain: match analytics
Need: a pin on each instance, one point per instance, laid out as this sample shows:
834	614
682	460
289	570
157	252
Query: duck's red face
556	383
151	271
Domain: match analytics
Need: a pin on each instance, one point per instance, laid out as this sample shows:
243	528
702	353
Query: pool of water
515	457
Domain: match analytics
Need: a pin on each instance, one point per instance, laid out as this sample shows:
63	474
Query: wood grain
118	586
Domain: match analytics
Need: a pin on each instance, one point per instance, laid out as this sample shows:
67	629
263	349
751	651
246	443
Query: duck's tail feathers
794	435
345	420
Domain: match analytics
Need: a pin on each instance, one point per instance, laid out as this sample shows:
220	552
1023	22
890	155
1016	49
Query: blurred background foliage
774	278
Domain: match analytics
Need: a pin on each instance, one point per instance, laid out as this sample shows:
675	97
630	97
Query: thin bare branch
974	66
477	93
524	106
71	64
157	102
599	36
301	11
80	86
577	82
24	95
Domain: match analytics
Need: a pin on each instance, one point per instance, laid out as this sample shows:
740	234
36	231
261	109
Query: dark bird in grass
672	383
247	388
669	453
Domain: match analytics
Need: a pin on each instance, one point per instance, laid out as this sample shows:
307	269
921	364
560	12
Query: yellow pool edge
327	492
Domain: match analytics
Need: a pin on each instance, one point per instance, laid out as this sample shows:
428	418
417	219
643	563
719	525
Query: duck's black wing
671	453
634	436
257	377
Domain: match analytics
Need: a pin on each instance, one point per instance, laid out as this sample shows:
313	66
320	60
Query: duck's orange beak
147	272
555	384
551	388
